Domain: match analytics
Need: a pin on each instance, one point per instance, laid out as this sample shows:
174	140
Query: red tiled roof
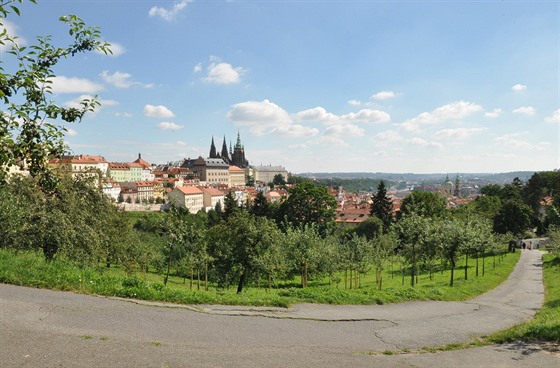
212	191
235	168
189	190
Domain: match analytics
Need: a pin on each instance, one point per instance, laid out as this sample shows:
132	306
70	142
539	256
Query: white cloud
554	118
384	95
75	103
494	114
354	102
424	143
519	88
121	80
158	111
71	132
12	31
164	125
118	79
265	117
169	15
331	141
116	50
197	68
527	110
297	147
452	111
62	84
319	114
510	141
458	133
295	130
345	130
389	136
223	73
123	114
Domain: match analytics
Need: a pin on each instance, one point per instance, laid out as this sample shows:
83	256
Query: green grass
545	326
30	269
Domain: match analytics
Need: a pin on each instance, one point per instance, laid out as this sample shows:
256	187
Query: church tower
238	157
225	153
213	153
457	191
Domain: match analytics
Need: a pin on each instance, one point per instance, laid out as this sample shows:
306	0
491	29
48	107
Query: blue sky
316	86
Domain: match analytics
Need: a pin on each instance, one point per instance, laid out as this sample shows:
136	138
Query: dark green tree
424	204
514	217
370	228
260	206
309	204
382	206
279	179
231	206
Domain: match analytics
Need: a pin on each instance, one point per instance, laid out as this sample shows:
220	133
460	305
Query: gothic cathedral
235	157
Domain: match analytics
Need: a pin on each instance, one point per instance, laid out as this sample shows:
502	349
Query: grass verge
30	269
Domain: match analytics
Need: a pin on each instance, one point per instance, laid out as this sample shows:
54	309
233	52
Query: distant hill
487	178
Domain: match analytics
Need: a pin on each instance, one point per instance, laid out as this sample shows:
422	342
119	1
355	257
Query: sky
314	86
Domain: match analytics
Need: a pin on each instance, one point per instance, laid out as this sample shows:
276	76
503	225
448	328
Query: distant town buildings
202	183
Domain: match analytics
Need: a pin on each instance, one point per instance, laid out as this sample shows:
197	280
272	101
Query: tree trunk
476	264
483	264
305	274
452	263
241	282
466	265
168	269
192	278
206	277
451	280
198	279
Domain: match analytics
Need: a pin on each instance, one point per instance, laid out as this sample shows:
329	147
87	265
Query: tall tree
382	206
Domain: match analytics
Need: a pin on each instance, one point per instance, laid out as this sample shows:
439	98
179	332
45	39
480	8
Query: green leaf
15	9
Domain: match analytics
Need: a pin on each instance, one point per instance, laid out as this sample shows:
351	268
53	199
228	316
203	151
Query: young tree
29	132
382	249
412	233
309	252
382	206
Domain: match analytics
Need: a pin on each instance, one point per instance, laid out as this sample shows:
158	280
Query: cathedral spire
238	144
213	149
225	154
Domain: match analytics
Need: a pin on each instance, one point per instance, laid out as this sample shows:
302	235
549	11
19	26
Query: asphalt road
42	328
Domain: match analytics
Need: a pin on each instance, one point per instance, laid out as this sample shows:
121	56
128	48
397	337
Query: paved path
42	328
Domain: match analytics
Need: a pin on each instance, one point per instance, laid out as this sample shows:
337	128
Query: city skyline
356	86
